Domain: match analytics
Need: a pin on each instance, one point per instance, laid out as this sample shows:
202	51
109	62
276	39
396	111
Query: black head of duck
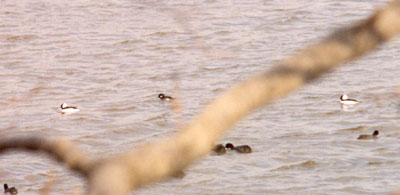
240	149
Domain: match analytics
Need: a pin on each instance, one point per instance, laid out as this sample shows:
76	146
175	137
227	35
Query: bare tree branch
61	149
154	162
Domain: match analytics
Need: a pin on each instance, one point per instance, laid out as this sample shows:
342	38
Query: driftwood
125	172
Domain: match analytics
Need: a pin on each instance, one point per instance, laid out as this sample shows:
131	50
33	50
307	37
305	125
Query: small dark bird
164	97
11	190
373	136
179	174
219	149
240	149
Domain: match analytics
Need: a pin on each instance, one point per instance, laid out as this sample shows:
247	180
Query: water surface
111	59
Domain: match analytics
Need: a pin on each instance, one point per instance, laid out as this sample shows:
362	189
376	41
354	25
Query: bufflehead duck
346	101
11	190
68	109
219	149
240	149
164	97
373	136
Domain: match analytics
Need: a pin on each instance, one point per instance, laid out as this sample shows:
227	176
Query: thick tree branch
61	149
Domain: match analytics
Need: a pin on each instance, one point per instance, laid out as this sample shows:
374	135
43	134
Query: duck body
11	190
179	174
219	149
241	149
164	97
346	101
68	109
373	136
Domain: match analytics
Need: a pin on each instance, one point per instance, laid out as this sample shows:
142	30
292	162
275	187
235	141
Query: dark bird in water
240	149
219	149
179	174
373	136
164	97
11	190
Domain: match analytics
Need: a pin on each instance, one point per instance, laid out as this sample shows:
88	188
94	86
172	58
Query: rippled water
111	59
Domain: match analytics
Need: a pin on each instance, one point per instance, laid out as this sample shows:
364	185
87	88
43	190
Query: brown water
111	59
